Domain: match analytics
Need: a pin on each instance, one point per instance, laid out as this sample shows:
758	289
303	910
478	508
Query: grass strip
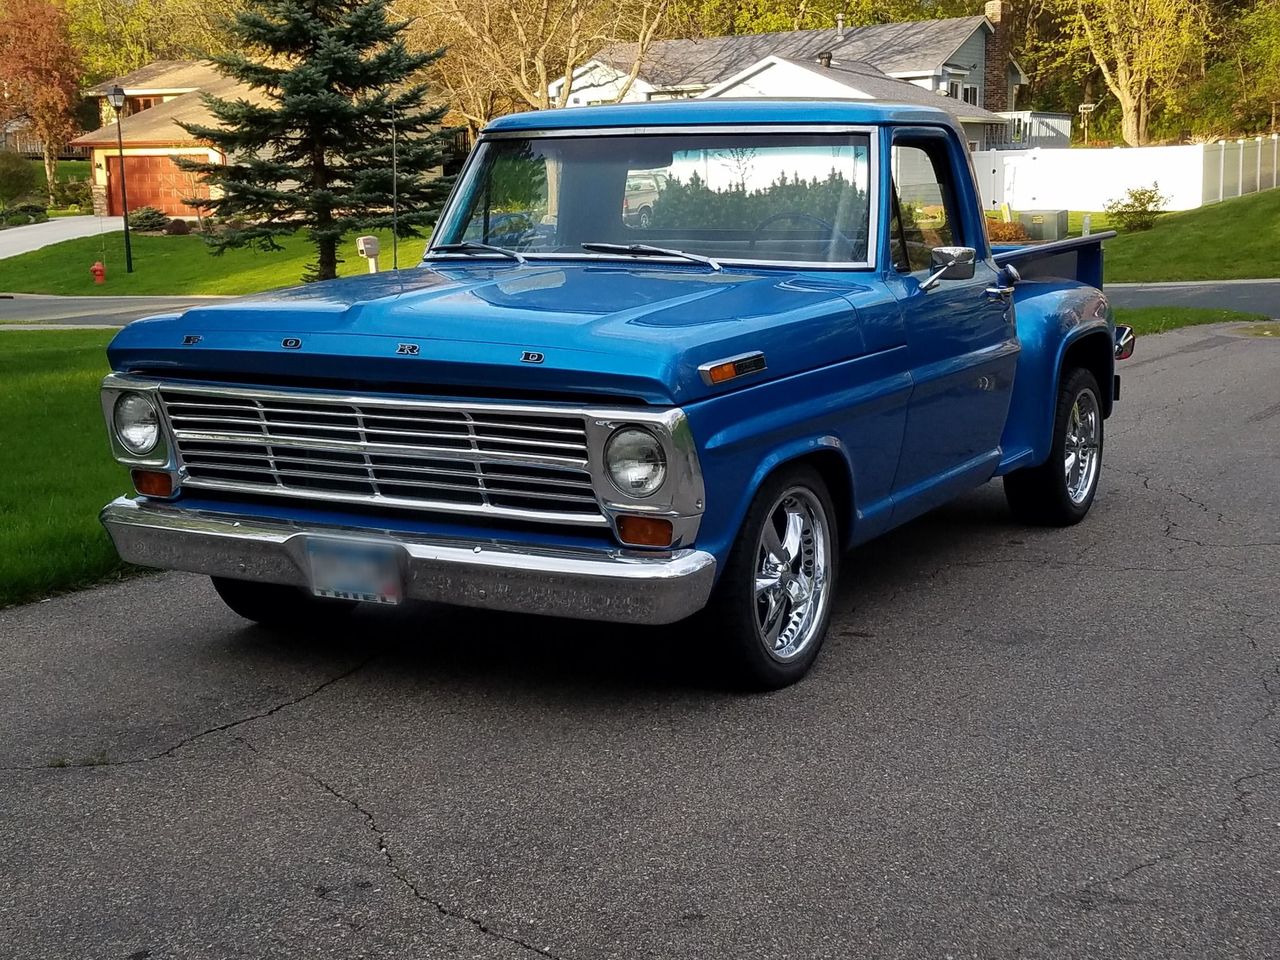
58	467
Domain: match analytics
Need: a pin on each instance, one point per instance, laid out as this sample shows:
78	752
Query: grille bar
430	458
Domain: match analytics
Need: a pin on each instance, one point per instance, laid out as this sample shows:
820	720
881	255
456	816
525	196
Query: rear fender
1059	321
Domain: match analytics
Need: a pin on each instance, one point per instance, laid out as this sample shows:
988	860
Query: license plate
342	570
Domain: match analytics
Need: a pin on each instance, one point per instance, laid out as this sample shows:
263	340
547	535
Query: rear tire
280	607
773	602
1059	492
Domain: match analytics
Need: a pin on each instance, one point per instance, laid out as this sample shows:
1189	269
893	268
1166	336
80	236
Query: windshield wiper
475	246
644	249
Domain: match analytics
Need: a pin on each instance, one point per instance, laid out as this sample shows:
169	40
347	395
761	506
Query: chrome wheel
1082	452
793	563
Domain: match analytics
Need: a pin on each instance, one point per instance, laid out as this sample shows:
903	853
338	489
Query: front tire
773	602
1060	491
281	607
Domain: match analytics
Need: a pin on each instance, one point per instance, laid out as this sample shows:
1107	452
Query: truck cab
571	409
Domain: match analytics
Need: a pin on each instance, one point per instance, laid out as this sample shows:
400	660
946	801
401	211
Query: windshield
793	197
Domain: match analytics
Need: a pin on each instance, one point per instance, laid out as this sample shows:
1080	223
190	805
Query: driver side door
961	340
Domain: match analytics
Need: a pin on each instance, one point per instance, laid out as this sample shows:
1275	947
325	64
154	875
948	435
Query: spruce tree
311	147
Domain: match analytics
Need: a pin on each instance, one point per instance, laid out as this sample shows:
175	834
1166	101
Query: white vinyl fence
1084	179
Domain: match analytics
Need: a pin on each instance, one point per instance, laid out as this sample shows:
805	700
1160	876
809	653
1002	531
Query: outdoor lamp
115	97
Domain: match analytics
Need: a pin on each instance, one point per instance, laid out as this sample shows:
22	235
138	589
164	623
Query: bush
1138	209
72	193
35	212
1001	232
147	219
16	220
177	227
17	177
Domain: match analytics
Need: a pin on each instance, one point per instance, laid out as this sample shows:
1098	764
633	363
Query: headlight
137	423
636	462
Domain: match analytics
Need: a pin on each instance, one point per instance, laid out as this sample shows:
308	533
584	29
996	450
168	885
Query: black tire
281	607
735	608
644	218
1042	495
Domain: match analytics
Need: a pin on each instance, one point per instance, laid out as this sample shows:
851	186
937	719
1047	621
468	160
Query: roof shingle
915	46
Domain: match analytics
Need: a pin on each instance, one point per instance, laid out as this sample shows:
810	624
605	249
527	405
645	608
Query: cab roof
715	112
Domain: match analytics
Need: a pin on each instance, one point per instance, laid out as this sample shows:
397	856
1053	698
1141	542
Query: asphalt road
1017	743
88	311
1249	296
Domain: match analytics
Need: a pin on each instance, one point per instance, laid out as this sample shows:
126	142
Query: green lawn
176	265
1149	320
67	170
1232	240
60	470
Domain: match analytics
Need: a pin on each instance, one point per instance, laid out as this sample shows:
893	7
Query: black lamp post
116	99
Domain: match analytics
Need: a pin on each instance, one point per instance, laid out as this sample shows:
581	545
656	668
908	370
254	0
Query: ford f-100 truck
567	409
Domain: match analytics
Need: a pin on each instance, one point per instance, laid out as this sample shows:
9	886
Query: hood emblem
291	343
407	349
531	356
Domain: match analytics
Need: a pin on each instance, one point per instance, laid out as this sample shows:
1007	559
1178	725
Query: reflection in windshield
764	197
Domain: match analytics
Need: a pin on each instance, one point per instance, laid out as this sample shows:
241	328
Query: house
966	59
157	97
777	77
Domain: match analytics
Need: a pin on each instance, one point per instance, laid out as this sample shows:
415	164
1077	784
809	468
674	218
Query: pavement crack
393	865
101	761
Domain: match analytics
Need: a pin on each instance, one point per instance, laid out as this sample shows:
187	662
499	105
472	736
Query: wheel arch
828	456
1093	350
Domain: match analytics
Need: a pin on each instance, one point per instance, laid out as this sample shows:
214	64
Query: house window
971	94
953	89
138	104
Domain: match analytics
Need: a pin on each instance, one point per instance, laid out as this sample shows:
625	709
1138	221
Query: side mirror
950	263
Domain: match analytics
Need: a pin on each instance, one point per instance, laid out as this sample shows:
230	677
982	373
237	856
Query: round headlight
636	462
137	423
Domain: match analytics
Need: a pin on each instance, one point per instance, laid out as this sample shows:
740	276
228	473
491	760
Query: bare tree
519	48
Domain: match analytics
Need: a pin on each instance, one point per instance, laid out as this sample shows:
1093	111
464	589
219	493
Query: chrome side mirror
950	263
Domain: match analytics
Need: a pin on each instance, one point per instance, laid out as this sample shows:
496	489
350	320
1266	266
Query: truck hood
504	330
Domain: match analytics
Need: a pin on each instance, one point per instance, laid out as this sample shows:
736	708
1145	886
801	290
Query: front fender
1052	316
850	413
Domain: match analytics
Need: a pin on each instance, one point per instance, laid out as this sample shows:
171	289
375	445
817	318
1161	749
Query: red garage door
152	182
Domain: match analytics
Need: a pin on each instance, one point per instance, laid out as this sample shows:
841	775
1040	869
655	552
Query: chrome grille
415	455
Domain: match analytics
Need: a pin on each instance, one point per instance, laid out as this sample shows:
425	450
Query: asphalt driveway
1017	743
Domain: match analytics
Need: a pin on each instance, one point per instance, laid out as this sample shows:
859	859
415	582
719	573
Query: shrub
35	212
16	219
1001	232
147	219
17	177
72	193
177	227
1138	209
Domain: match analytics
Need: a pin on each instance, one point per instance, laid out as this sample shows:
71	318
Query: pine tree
312	145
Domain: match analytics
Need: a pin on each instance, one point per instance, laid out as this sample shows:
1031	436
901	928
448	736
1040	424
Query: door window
924	205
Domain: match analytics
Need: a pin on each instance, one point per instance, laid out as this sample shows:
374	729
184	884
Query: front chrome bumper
620	586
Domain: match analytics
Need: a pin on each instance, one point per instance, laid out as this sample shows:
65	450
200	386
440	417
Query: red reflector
644	531
153	483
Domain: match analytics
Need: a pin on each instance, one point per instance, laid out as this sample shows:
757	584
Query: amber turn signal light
721	372
644	531
153	483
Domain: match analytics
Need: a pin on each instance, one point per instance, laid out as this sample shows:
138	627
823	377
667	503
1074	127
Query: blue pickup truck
567	409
